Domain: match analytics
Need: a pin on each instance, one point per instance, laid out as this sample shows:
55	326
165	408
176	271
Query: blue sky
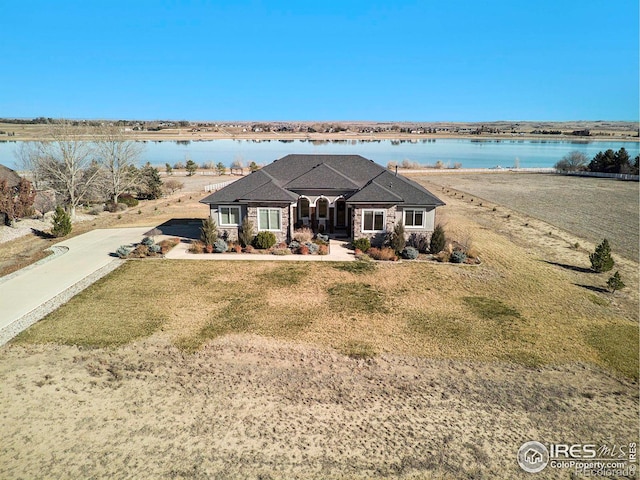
320	60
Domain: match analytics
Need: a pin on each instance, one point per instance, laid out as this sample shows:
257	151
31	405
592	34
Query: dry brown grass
590	208
513	307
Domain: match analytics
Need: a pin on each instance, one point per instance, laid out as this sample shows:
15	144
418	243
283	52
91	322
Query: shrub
123	251
601	260
167	244
281	251
363	244
418	241
313	248
323	250
245	235
615	283
155	248
322	238
410	253
219	246
303	250
61	223
294	245
237	248
128	199
95	211
438	240
396	238
148	241
303	235
382	254
248	249
443	257
115	207
209	231
208	248
172	185
264	240
458	257
196	247
140	251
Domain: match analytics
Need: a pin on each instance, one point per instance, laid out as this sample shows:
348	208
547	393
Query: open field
183	369
249	407
591	208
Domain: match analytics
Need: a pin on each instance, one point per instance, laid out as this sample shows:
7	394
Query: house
344	195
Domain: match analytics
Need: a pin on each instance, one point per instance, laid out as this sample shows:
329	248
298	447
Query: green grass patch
603	302
617	346
358	267
357	297
357	350
95	318
285	275
490	308
87	332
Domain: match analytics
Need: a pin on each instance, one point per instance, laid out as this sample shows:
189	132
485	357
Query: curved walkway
33	292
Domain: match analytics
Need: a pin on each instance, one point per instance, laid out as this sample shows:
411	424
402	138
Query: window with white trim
228	216
373	220
269	219
322	204
414	217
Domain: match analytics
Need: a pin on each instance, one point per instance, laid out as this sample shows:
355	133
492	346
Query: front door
341	214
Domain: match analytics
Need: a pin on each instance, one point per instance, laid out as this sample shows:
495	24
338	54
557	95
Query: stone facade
283	234
376	238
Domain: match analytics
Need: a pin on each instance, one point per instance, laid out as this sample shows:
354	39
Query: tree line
85	166
603	162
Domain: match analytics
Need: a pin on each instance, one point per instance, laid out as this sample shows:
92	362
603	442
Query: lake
470	153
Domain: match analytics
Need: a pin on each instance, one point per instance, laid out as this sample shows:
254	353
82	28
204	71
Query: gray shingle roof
371	182
322	177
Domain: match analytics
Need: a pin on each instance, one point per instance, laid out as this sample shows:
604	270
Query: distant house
345	195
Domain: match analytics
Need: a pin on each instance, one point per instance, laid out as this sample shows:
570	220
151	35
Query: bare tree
119	156
27	160
572	162
62	163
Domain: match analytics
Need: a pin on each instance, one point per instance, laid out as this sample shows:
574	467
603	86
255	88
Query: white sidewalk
338	252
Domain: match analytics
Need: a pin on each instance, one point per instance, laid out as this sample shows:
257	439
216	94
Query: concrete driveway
23	293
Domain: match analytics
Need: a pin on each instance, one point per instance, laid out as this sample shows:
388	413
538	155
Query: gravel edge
13	329
57	251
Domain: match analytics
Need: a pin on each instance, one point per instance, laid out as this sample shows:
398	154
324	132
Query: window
269	219
373	221
414	218
323	207
228	216
304	208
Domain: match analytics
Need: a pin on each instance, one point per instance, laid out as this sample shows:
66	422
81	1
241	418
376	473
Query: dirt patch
245	407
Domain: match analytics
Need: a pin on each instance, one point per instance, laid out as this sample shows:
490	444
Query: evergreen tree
397	240
615	283
150	182
601	260
209	231
61	223
438	240
246	232
191	168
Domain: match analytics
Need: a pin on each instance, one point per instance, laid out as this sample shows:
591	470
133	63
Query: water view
469	153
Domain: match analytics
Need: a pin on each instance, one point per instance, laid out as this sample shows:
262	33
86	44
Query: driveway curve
23	295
